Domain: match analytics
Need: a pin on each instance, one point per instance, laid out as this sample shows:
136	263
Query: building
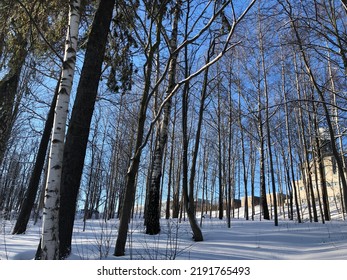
256	201
331	176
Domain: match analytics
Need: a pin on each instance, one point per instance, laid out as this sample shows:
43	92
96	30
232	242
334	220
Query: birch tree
80	121
49	243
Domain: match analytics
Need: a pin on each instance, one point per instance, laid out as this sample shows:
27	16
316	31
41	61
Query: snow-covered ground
245	240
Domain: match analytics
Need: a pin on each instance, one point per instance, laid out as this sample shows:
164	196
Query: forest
170	109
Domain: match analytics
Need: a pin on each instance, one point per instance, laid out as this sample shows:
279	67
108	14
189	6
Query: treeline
166	108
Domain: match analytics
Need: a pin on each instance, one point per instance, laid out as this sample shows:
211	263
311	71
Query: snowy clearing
245	240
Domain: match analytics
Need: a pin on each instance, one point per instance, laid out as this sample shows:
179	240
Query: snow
245	240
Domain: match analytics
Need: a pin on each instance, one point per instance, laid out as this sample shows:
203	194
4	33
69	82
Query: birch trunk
49	245
80	121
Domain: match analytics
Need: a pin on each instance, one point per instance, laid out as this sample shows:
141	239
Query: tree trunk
309	176
31	192
263	201
8	93
271	167
49	244
319	161
267	121
220	160
153	211
78	132
176	194
316	86
338	131
130	186
243	158
291	171
315	168
253	171
189	193
231	162
171	168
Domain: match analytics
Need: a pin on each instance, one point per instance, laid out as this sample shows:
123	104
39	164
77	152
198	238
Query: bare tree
79	125
31	192
49	243
294	25
153	210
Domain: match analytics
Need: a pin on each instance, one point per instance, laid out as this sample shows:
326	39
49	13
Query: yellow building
331	177
280	197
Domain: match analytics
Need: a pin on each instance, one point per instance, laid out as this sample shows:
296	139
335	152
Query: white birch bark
50	222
